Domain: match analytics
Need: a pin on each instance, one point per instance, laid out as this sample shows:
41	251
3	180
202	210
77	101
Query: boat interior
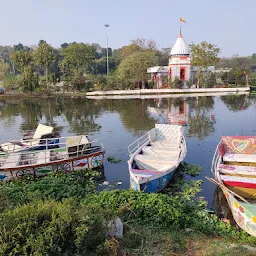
159	149
237	165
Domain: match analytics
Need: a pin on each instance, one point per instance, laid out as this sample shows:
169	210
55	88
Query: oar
224	187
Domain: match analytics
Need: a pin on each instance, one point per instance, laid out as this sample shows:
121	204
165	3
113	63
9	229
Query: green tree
134	66
4	69
203	55
44	56
21	59
24	63
77	60
208	80
129	49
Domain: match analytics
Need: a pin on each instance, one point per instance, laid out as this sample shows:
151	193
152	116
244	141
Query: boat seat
43	157
161	151
11	146
242	158
237	170
12	161
166	144
148	162
235	181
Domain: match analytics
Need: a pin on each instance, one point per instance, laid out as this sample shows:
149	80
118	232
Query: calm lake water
118	122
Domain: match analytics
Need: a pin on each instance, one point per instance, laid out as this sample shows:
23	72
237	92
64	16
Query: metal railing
183	149
56	152
215	160
138	143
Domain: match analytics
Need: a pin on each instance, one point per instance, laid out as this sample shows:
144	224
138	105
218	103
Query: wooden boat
155	156
69	154
32	140
234	168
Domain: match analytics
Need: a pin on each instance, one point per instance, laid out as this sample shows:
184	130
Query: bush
52	228
56	186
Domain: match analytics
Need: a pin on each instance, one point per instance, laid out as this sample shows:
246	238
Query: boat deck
158	156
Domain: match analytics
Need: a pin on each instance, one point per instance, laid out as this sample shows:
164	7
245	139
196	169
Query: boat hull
88	161
244	214
154	185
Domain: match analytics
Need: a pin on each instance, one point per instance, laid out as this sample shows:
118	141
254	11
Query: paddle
224	187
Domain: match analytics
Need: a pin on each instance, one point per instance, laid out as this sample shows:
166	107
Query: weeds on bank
62	214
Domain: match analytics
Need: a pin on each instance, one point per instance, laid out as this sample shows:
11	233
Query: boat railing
138	143
215	160
183	149
57	152
48	143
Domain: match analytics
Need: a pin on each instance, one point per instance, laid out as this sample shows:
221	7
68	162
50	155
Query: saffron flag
182	20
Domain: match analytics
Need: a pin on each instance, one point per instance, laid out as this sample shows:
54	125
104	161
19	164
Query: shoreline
137	93
168	91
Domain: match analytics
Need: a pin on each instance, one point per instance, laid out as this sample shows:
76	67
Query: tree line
78	65
82	66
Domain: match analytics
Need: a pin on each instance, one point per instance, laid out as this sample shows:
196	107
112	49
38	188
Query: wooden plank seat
161	151
43	157
242	158
165	143
156	163
237	170
12	161
234	181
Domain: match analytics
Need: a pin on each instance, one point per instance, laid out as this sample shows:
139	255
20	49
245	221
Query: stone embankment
169	91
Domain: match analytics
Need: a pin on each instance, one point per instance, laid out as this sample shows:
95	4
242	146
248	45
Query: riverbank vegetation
82	67
64	214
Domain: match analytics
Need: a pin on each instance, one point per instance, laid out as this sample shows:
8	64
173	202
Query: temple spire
180	32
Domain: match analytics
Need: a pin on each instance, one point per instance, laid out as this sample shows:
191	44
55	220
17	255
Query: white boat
69	154
31	140
155	156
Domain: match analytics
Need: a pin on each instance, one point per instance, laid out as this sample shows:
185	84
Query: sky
229	24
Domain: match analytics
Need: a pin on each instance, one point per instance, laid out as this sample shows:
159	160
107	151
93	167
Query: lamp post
107	25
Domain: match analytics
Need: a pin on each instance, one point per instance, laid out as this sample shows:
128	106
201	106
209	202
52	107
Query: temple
179	65
179	62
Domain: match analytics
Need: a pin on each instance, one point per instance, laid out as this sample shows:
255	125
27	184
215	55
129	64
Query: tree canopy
203	55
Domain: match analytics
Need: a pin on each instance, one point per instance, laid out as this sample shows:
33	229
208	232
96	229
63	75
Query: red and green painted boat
234	168
69	154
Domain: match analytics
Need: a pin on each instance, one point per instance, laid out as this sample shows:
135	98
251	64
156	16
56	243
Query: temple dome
180	47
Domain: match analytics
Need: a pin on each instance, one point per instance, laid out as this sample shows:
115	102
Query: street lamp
107	25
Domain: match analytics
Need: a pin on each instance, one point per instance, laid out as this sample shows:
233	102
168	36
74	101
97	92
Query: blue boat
155	156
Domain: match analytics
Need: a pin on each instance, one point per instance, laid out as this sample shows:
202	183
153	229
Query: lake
118	122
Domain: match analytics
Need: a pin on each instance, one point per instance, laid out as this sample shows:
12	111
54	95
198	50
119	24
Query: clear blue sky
226	23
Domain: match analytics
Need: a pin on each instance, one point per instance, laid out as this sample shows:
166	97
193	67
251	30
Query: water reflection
237	102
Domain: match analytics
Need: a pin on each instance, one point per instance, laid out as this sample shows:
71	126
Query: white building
179	62
179	65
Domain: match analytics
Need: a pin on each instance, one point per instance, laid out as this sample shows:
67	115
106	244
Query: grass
148	241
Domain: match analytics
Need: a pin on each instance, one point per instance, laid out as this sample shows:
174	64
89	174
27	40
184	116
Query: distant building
179	65
179	62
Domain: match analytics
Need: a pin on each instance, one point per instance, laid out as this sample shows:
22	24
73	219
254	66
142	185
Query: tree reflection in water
236	102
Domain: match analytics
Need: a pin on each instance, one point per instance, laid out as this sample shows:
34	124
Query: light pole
107	25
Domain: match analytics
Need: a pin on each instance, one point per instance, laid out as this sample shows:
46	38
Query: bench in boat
238	149
237	170
242	158
160	151
156	163
234	181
